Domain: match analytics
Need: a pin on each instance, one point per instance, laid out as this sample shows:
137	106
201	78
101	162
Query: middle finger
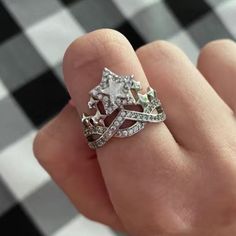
196	115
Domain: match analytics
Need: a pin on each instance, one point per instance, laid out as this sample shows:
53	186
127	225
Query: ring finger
217	62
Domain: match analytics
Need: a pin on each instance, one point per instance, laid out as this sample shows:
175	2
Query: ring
120	109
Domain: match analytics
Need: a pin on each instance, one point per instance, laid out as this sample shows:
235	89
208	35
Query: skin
173	178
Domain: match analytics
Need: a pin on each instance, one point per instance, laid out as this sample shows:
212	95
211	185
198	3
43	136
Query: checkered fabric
34	35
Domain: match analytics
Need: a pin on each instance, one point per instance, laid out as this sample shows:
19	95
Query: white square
54	34
130	7
227	13
183	41
83	227
19	168
3	90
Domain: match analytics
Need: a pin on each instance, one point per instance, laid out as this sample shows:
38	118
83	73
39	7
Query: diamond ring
120	109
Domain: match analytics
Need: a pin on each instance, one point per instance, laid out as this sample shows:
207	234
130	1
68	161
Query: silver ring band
115	96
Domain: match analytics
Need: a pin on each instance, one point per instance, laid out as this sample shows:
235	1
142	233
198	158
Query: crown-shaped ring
115	101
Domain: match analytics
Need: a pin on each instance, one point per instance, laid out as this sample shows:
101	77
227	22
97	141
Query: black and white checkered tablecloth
33	37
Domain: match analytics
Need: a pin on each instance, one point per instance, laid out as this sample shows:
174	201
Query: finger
217	62
61	150
129	166
192	106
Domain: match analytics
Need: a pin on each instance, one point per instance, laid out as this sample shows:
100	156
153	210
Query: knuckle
213	45
98	40
157	45
109	35
160	50
212	49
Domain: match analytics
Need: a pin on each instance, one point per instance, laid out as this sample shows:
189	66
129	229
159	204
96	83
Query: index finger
131	160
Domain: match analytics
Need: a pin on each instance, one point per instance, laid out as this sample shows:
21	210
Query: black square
42	98
131	34
7	24
188	11
17	222
68	2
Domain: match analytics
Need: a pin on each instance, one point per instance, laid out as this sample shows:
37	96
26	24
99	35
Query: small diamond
131	131
103	84
120	118
128	114
118	101
99	96
122	83
99	143
125	133
113	128
109	109
145	117
123	113
116	123
140	116
105	98
118	133
101	121
95	92
125	90
90	105
105	74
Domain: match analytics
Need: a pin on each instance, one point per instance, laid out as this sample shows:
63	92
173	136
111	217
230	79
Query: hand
173	177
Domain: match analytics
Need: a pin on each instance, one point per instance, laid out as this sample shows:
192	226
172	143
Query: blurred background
33	37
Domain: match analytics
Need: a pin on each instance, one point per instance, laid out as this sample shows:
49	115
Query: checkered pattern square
20	62
49	208
30	12
52	35
43	105
27	172
34	36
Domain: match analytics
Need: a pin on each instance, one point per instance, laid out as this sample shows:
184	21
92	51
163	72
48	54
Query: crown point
142	99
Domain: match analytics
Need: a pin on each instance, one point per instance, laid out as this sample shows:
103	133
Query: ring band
116	95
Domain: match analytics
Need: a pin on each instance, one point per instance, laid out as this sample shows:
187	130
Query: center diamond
115	90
